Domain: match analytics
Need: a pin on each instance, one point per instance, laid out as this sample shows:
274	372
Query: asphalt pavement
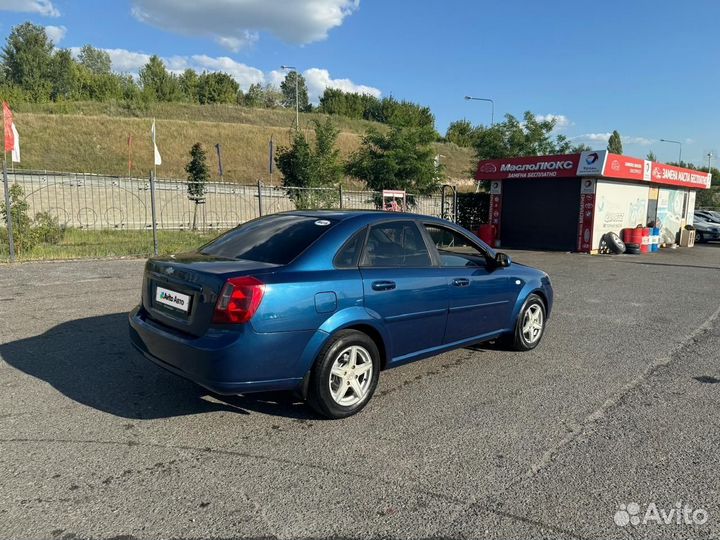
613	420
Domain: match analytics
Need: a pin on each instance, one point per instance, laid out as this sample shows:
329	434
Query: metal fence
91	202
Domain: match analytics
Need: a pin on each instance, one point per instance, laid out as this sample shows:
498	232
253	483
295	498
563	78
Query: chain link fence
102	215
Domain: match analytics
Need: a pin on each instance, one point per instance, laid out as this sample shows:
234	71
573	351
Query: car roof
365	215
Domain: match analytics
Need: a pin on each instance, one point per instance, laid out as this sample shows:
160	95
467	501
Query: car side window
396	244
347	256
454	249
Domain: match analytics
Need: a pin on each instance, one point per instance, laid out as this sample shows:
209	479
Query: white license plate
173	299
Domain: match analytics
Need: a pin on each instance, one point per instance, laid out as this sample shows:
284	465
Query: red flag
8	121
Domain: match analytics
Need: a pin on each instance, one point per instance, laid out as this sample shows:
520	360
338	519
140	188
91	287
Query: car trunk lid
180	291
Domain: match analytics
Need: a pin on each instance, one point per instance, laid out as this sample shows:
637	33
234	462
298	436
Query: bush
28	233
47	229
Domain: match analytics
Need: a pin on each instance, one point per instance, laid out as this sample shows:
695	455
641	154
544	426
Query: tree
513	138
27	59
158	82
401	158
272	97
65	76
461	132
615	143
317	166
198	175
254	96
217	87
651	156
188	82
287	88
95	60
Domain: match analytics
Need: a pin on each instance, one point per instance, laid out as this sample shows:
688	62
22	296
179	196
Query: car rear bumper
223	361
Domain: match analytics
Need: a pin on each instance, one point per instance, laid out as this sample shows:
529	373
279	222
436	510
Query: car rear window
274	239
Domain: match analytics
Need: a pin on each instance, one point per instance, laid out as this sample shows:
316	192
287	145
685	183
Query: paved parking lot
618	405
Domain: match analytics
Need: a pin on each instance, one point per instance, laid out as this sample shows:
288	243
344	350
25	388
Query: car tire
345	375
699	237
526	338
614	242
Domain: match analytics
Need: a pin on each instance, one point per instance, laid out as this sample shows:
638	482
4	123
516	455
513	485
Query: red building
568	202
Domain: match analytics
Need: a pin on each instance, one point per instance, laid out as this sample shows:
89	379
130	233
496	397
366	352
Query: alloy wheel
350	376
532	324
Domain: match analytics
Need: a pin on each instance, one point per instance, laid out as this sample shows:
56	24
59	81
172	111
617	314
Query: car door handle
383	285
461	282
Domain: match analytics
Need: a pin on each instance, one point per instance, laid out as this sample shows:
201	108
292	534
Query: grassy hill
92	137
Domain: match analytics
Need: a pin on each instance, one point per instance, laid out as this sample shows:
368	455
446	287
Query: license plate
172	299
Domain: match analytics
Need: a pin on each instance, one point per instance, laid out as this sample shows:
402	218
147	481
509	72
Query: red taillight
239	300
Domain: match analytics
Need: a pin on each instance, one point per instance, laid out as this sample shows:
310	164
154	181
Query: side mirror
502	260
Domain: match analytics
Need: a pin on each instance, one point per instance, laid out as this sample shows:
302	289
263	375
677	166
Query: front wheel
345	375
530	325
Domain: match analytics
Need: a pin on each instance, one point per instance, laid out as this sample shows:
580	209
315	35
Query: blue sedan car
322	301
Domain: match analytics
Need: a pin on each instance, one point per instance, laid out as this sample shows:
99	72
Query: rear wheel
345	375
530	325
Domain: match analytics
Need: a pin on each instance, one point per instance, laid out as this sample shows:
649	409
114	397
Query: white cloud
123	61
243	74
318	80
41	7
603	137
236	23
561	121
594	137
642	141
55	33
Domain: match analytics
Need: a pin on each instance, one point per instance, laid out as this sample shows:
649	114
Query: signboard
585	219
592	163
393	200
677	176
627	168
597	163
559	166
495	213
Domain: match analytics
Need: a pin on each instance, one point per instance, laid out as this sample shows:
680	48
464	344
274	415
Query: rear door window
277	239
396	244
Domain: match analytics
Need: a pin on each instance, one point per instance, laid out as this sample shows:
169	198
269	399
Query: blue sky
647	69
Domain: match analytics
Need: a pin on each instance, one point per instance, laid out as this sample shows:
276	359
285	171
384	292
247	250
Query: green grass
79	244
92	137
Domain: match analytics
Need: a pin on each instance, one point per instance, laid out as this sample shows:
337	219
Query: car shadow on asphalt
92	362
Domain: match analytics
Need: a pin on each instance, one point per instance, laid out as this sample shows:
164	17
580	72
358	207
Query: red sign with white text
560	166
568	166
677	176
626	167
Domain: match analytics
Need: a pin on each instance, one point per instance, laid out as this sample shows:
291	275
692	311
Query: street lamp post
297	101
678	143
492	111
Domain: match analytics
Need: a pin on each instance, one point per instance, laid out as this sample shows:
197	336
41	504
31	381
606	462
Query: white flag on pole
158	159
16	146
